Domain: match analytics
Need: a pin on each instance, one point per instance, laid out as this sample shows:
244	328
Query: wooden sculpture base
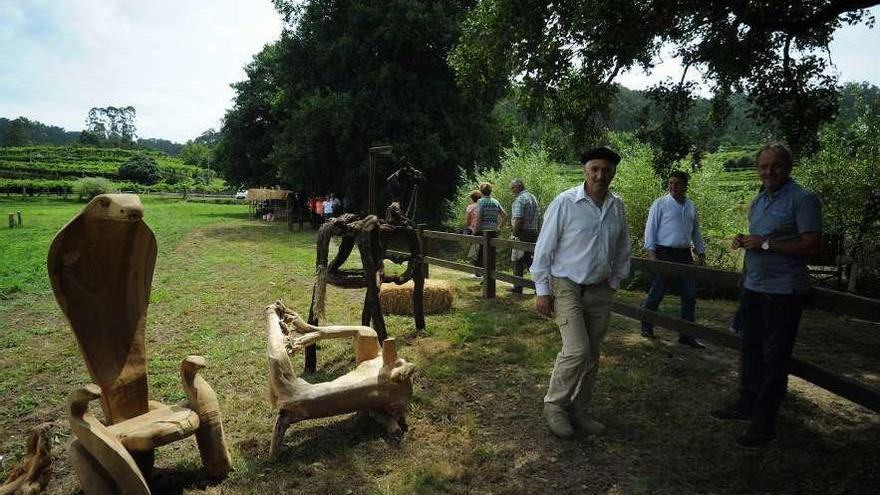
380	384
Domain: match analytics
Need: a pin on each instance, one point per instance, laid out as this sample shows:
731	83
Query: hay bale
397	299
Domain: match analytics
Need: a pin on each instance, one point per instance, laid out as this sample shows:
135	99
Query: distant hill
25	132
54	169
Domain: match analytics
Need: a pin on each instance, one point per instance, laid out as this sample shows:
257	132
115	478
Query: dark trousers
520	265
659	284
770	324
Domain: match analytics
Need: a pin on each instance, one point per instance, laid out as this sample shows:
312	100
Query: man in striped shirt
525	217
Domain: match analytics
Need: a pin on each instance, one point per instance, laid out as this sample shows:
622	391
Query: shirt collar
581	195
780	193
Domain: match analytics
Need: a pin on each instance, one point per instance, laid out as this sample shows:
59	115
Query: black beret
601	153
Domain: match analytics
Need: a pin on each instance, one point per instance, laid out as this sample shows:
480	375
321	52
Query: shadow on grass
654	396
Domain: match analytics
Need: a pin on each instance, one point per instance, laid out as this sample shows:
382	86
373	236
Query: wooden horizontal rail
853	305
838	302
449	236
511	244
512	279
462	267
826	299
709	276
845	387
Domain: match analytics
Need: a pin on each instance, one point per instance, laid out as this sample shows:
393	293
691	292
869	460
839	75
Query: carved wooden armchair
101	268
380	384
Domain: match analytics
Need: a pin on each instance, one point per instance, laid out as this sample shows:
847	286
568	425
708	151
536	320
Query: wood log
31	475
380	383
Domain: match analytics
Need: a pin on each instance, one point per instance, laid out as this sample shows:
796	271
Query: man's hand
652	255
544	305
750	241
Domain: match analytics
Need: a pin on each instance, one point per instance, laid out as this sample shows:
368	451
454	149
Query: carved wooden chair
101	268
380	384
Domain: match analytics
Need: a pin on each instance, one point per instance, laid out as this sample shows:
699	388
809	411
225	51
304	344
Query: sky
173	60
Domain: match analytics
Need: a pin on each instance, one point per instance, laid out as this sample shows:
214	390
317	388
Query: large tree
347	74
568	53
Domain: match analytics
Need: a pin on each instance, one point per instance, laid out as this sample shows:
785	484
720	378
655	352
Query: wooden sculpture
380	384
372	236
32	474
101	268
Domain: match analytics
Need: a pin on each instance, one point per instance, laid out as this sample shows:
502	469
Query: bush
142	169
636	183
89	187
541	176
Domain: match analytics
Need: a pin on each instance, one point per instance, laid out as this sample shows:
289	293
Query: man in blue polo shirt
785	228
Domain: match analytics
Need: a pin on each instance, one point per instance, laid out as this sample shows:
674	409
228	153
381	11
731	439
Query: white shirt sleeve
622	252
545	248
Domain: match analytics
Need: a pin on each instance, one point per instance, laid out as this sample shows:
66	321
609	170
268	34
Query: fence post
19	219
420	229
488	265
12	220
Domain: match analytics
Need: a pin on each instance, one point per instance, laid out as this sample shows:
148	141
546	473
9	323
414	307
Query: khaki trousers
583	314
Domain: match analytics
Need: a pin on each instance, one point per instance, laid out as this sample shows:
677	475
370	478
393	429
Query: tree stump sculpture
101	268
372	237
380	384
32	474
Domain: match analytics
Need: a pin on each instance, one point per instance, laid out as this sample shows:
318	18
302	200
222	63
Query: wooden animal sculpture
101	269
372	236
32	474
380	384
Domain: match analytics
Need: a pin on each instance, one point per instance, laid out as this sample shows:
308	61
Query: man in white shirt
580	258
672	226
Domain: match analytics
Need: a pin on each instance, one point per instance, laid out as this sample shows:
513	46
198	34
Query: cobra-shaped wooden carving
380	384
101	268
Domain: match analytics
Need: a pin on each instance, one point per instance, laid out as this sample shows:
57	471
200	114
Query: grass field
482	369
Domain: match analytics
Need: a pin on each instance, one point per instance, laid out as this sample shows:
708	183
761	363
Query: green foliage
142	169
346	75
636	182
542	177
196	155
846	176
89	187
569	53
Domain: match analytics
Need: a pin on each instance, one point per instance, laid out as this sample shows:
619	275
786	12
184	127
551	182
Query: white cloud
172	60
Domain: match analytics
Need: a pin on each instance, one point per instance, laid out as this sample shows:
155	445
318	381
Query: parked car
241	195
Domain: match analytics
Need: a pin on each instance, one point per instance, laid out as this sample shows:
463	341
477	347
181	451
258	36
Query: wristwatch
766	244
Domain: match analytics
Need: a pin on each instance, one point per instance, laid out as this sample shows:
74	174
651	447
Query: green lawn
482	369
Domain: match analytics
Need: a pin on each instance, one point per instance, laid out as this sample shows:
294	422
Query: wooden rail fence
837	302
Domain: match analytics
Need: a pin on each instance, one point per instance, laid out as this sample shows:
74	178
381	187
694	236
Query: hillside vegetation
54	169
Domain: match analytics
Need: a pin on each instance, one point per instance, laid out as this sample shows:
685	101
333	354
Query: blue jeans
659	284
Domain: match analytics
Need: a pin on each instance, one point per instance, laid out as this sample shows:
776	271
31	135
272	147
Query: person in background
470	215
581	256
328	206
785	228
319	209
672	226
525	214
489	216
470	228
337	205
